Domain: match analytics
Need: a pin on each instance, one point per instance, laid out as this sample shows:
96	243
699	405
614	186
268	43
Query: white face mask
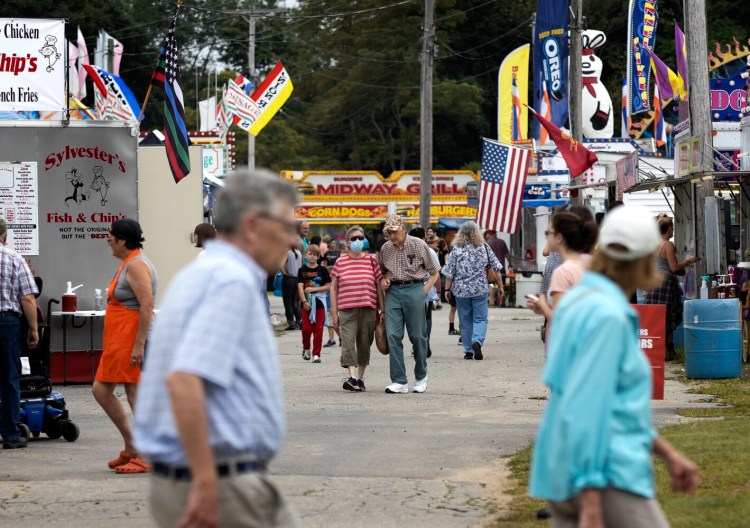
356	246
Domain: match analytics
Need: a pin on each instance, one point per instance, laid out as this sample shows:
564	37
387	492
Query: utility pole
425	129
251	16
700	126
574	97
251	74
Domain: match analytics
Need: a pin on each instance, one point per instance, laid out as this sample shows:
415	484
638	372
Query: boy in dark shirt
314	282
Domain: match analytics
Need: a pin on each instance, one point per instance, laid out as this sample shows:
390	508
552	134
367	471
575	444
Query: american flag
167	76
504	170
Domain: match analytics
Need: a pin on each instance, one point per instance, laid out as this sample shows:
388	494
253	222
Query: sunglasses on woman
352	239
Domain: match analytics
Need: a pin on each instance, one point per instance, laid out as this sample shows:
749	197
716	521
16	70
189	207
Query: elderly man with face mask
406	261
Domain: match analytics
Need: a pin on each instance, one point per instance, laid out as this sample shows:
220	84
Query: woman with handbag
356	306
470	267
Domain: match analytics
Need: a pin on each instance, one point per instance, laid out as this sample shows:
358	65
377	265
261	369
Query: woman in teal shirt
592	458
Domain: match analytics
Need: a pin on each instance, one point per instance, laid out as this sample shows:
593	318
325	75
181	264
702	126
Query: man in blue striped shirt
17	289
210	412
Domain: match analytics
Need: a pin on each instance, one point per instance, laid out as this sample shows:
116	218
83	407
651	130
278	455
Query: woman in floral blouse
466	280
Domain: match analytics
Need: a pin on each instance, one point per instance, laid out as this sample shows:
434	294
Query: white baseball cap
629	232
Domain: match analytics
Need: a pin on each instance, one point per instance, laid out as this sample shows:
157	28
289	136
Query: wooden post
425	129
700	119
574	83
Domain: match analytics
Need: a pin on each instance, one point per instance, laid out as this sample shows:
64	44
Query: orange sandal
136	465
121	460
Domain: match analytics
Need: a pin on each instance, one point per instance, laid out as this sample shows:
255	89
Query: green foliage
355	65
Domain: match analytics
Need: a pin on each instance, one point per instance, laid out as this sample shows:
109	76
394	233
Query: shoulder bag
492	277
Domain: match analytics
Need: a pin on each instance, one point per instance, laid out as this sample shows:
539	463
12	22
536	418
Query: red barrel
69	302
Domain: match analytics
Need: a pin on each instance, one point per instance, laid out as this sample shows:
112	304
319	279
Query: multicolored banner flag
78	112
271	96
72	69
660	130
206	109
551	60
641	39
624	117
512	120
546	111
83	56
223	116
246	110
115	98
167	76
681	51
244	83
517	113
577	157
503	180
101	51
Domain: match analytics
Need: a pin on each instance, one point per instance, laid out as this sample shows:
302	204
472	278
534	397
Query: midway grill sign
371	186
33	54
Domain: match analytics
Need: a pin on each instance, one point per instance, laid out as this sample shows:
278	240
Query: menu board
19	205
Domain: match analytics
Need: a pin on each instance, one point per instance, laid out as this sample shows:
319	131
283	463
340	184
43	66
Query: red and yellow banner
270	96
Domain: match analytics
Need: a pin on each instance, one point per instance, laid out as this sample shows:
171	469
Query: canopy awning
660	183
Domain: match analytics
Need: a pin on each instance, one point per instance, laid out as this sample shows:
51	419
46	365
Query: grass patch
719	447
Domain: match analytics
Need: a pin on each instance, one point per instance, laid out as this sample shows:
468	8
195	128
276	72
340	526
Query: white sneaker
397	388
420	385
316	359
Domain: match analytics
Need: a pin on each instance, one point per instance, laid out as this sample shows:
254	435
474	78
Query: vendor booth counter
64	185
76	366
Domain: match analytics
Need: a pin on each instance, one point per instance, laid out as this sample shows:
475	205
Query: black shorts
452	300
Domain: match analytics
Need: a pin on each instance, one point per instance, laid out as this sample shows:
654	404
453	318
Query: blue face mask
357	246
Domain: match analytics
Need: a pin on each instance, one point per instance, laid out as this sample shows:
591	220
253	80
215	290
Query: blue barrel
713	338
678	337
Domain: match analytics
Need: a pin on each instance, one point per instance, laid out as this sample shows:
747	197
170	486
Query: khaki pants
357	328
621	510
248	500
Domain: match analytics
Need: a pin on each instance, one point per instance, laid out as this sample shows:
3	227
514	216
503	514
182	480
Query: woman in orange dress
130	308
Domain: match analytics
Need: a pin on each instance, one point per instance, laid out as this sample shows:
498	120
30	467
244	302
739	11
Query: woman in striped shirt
356	305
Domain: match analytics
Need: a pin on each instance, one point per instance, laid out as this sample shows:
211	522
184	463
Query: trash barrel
678	338
713	338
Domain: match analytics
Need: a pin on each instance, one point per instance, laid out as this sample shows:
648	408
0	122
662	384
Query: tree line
355	65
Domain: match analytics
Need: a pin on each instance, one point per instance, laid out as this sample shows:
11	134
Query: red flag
577	157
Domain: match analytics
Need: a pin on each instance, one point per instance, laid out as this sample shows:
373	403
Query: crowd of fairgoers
593	453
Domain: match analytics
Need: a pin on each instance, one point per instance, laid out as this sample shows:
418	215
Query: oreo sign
553	68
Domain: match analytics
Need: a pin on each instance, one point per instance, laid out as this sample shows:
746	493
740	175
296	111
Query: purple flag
679	44
662	77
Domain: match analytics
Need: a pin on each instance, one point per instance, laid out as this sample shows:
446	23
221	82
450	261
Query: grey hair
352	230
468	233
257	191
